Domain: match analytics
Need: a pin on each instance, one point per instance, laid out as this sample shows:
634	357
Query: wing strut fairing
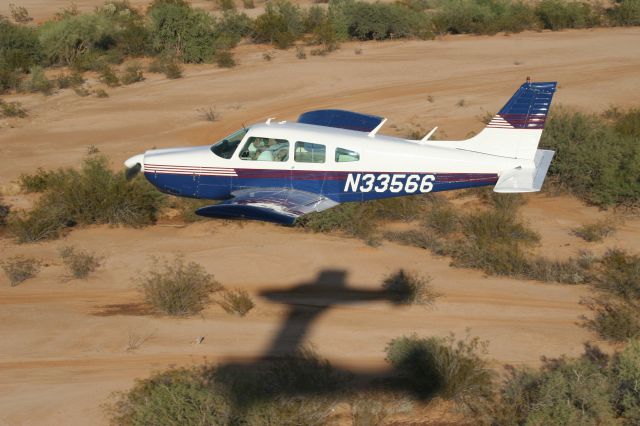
277	205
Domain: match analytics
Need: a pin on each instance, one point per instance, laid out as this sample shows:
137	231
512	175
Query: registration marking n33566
383	182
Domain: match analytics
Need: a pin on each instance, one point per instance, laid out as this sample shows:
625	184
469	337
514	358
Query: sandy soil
64	342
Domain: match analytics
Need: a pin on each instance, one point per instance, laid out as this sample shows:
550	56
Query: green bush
559	14
594	231
594	160
37	81
177	29
79	263
442	219
224	59
168	65
12	109
281	24
625	371
132	74
613	318
109	77
620	274
92	195
379	21
177	288
625	13
411	288
484	16
185	396
18	269
37	182
20	49
65	81
445	367
297	389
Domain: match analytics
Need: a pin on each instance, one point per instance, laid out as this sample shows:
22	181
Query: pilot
256	148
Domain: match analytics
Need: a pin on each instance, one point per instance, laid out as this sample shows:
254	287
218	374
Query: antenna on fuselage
428	135
374	131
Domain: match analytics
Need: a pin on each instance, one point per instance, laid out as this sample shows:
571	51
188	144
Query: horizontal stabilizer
526	180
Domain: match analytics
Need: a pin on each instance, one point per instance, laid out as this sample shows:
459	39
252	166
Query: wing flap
526	180
278	205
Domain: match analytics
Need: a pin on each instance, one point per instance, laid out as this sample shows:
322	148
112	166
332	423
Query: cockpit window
265	149
227	146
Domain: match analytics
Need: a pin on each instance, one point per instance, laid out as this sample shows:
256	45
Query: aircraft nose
136	159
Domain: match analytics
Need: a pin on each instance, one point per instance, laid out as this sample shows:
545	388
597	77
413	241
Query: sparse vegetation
450	368
109	77
178	288
65	81
101	93
168	65
237	302
4	213
300	53
37	81
94	194
132	74
594	232
412	288
12	109
79	263
596	156
224	59
19	268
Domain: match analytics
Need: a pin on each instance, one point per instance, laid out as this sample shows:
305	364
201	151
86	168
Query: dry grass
79	263
237	302
19	269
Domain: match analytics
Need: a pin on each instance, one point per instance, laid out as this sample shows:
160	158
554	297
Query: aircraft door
309	167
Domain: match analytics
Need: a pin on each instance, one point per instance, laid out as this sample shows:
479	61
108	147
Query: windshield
227	146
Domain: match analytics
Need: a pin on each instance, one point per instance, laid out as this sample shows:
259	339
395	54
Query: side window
265	149
344	155
307	152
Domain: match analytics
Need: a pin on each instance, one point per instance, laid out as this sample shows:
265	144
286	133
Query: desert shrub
66	40
132	74
559	14
593	159
570	271
79	263
237	302
94	194
130	36
484	17
178	288
187	207
179	30
297	389
625	372
20	14
248	4
411	288
563	392
185	396
12	109
168	65
41	223
231	27
620	274
362	220
450	368
613	318
109	77
65	81
20	49
37	182
19	268
37	81
101	93
224	59
226	4
4	213
594	231
496	227
625	12
281	24
379	21
442	218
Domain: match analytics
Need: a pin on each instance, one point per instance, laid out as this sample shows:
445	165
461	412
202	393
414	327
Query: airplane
278	171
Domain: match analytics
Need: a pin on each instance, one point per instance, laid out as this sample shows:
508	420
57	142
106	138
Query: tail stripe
527	108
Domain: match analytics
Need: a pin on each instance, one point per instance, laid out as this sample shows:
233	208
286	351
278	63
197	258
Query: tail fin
515	130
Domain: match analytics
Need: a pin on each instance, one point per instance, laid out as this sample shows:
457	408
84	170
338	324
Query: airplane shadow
288	368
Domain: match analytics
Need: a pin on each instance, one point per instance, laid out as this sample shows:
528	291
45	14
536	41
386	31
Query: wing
279	205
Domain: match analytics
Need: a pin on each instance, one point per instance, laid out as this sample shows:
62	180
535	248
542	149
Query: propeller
133	165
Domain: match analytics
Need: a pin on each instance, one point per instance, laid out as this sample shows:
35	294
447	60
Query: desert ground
63	343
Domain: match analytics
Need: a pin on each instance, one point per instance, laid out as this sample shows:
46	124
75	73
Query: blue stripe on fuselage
330	184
